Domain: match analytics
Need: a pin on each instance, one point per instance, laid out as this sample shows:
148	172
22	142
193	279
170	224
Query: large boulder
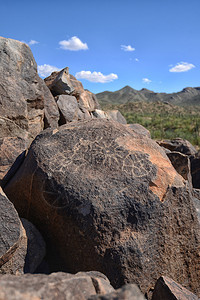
59	83
26	104
108	199
25	99
57	286
13	239
68	108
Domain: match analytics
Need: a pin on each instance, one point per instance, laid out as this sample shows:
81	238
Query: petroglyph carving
97	155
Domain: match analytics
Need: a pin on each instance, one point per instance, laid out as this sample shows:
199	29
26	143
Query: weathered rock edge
60	286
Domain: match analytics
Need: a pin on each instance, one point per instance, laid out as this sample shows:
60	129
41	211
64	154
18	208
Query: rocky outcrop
13	240
167	289
25	101
74	102
107	198
55	286
178	145
63	83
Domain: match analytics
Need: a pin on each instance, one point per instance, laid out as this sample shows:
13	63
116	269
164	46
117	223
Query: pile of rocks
108	207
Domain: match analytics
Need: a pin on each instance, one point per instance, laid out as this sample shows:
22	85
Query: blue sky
144	43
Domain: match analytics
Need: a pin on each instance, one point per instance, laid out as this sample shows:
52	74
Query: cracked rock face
25	101
107	198
13	245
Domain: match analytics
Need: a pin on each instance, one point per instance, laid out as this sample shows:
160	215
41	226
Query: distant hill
188	96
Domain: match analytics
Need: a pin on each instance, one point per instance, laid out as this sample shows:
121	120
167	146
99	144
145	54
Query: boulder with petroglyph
106	198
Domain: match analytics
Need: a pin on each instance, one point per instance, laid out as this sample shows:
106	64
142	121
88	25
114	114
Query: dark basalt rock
68	108
167	289
59	83
36	248
178	145
24	96
13	240
108	199
26	104
181	163
195	171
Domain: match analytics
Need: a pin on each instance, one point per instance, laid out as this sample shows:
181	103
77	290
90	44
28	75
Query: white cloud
33	42
46	70
96	76
182	67
146	80
136	59
73	44
30	43
127	48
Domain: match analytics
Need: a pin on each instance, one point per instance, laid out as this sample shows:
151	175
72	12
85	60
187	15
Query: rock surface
167	289
178	145
181	163
13	240
116	116
88	101
195	171
57	286
108	199
127	292
139	129
66	89
100	114
25	101
36	248
59	83
68	108
110	115
10	149
24	96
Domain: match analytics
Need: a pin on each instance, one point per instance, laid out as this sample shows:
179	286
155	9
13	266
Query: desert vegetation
163	120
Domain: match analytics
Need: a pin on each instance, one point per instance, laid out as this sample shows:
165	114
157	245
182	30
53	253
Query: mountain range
188	96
